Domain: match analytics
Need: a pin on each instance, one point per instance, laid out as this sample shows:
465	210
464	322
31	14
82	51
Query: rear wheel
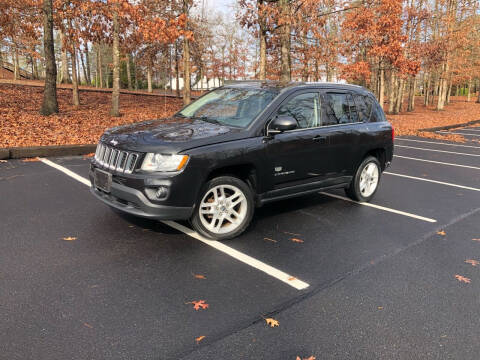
225	208
365	182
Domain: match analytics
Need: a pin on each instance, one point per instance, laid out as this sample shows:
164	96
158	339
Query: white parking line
469	129
381	208
432	181
457	133
437	162
442	151
437	143
257	264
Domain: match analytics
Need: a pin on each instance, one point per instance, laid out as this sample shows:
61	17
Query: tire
233	201
359	188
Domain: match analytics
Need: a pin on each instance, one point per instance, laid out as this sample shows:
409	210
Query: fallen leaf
441	232
380	308
199	304
200	338
472	262
476	239
31	159
272	322
198	276
297	240
291	278
69	238
3	161
268	239
462	279
86	156
88	325
309	358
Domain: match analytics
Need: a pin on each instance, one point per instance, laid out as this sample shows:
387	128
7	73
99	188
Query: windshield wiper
207	119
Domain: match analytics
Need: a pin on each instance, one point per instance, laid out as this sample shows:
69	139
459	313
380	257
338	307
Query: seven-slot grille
115	159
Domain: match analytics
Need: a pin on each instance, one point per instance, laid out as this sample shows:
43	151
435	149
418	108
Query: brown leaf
462	279
200	338
31	159
441	232
200	304
88	325
86	156
198	276
272	322
297	240
472	262
476	239
291	278
69	238
268	239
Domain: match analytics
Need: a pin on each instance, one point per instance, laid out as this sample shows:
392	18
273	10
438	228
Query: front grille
116	159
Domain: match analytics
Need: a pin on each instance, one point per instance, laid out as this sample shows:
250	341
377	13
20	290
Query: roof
280	86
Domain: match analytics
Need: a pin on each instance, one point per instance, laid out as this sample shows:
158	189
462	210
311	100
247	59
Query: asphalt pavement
344	280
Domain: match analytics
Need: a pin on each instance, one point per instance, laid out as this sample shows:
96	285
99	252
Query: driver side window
305	108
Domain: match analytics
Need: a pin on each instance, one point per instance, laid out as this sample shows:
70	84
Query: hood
171	135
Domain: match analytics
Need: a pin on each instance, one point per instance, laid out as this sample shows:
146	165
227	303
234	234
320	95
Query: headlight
164	162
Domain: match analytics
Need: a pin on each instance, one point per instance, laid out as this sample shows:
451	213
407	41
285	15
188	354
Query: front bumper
133	201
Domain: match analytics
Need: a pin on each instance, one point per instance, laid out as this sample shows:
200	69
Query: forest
396	48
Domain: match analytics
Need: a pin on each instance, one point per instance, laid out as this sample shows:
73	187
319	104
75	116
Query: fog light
161	192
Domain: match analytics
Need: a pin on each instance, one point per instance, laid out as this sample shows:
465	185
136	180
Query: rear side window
377	112
364	105
336	109
304	108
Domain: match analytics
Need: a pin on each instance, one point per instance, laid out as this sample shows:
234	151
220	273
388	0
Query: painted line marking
470	129
457	133
437	162
432	181
442	151
246	259
280	275
437	143
381	208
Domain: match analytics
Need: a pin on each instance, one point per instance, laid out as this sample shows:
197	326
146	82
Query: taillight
393	133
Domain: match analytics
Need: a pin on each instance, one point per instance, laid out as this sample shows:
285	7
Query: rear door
340	122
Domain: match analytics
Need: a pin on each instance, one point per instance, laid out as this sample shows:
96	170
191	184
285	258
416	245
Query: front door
292	155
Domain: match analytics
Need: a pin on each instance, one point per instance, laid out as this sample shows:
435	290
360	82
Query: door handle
319	138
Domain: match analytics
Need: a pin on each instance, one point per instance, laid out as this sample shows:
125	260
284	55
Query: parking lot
344	280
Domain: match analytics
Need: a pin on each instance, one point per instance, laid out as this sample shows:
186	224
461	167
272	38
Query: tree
116	66
50	105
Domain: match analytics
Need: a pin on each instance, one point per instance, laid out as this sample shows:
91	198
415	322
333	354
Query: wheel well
380	155
245	172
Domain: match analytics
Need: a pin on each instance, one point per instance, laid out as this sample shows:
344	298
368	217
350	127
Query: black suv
241	146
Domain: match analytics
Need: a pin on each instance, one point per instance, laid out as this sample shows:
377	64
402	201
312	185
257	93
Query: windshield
233	107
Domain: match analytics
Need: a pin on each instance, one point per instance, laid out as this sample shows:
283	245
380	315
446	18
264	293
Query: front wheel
225	208
365	182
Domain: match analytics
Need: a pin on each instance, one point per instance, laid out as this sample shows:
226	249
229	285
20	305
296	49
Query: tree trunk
149	78
411	94
100	67
129	73
16	69
116	67
73	55
391	98
135	72
399	100
285	75
478	99
449	91
442	88
49	105
469	96
84	68
87	61
186	71
64	75
177	71
263	47
381	86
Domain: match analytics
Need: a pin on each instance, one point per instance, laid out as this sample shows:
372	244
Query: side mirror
282	123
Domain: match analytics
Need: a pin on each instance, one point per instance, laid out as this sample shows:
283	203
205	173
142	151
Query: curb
448	127
47	151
